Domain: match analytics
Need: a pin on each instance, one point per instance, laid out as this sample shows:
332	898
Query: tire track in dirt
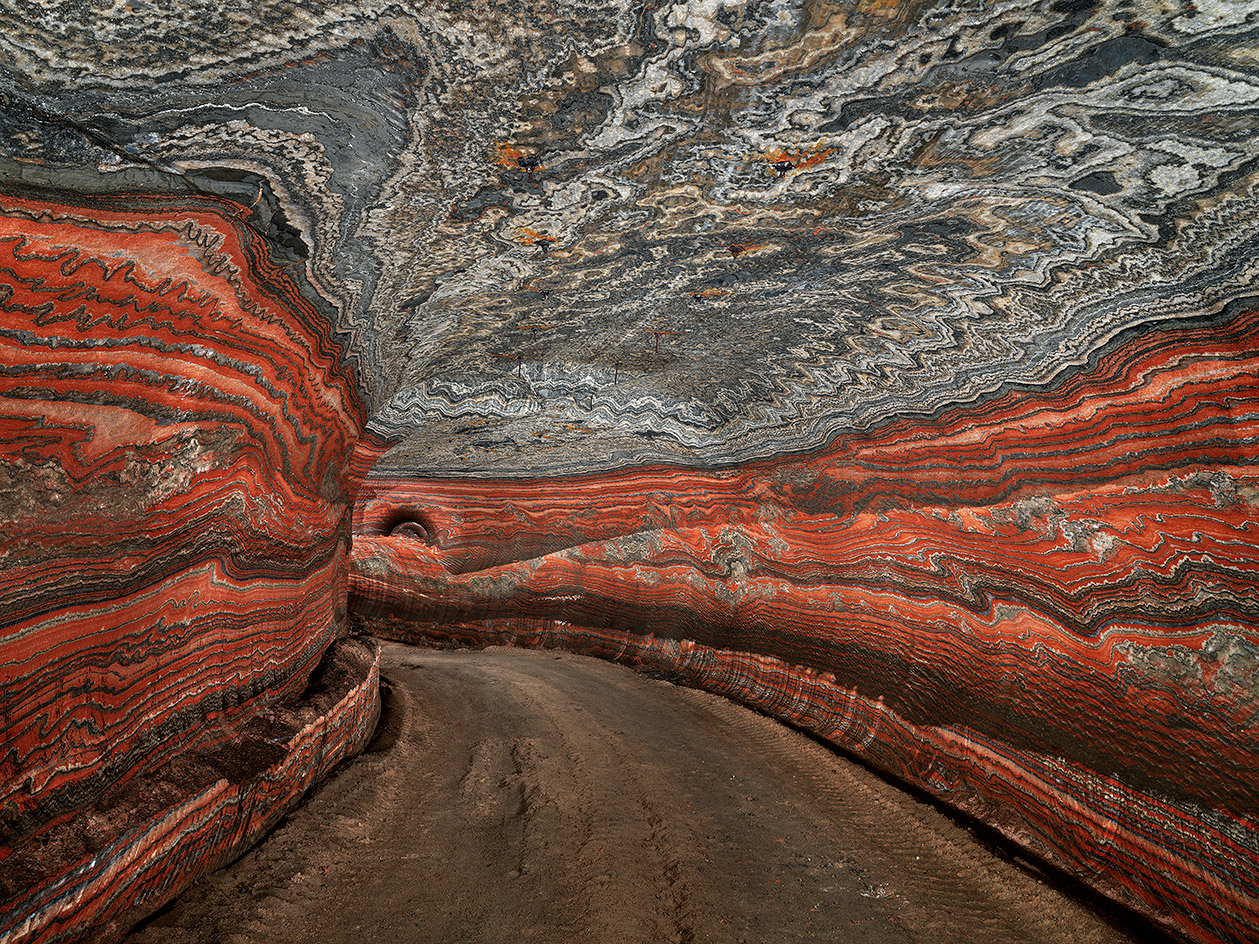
525	796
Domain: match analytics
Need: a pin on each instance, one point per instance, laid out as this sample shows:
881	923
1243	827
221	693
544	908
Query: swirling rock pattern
907	343
786	221
1037	607
175	432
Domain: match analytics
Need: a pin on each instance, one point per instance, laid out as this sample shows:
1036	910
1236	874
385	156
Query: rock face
176	427
888	366
1036	607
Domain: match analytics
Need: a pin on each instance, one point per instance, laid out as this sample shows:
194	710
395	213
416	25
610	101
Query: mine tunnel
688	470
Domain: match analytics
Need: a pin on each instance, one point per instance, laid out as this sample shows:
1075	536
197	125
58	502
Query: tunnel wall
176	425
1037	606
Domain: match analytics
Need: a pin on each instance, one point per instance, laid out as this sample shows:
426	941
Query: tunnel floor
517	796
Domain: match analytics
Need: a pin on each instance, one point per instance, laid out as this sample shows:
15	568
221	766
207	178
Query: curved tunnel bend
886	367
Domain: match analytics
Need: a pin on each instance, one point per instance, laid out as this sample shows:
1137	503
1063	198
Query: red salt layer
1038	607
176	424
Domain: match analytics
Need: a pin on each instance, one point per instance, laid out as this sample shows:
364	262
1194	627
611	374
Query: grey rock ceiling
564	236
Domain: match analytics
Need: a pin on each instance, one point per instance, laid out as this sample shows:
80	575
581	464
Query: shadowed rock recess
889	367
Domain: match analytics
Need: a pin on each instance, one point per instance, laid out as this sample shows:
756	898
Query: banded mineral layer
176	430
889	366
1038	607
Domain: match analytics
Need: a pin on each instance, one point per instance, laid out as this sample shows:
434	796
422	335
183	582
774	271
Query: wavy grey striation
571	236
783	223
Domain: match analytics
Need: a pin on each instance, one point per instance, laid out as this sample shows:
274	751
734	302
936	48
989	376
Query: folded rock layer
890	366
176	426
1037	607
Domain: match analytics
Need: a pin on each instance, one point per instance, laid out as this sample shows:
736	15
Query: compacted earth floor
517	796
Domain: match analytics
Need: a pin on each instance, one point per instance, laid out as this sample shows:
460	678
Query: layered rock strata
905	343
1037	606
175	432
146	840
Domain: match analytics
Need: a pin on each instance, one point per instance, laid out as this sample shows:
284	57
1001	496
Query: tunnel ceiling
563	237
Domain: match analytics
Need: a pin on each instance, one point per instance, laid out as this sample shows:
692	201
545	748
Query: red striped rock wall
191	818
175	430
1038	606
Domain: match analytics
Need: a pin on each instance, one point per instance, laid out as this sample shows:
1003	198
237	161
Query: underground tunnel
871	387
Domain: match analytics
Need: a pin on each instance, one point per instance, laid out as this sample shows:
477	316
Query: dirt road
527	796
